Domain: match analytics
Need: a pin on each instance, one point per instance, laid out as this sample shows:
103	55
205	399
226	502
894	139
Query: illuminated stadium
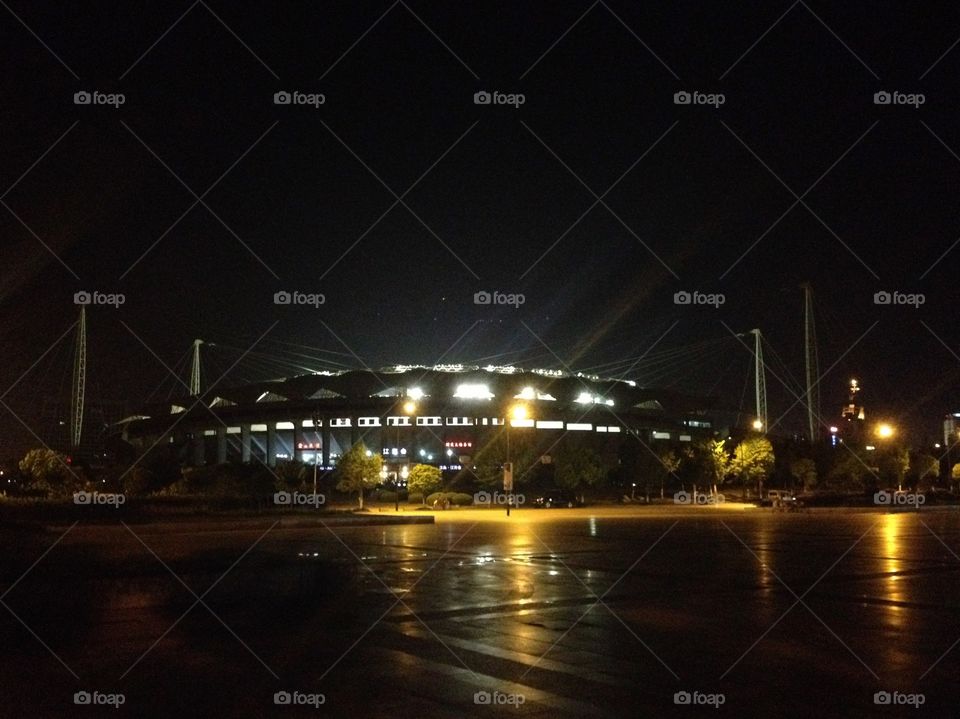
433	415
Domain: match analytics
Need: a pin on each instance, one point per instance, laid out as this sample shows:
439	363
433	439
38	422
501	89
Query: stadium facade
433	415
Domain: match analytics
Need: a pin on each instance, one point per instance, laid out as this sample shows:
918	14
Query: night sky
509	201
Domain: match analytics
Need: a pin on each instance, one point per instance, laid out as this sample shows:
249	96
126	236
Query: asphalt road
553	613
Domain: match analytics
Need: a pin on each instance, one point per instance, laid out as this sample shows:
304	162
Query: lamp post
409	407
885	432
316	453
517	412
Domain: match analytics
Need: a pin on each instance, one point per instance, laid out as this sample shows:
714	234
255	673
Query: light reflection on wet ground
582	615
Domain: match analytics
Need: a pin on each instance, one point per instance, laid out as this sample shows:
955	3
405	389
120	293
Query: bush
457	499
225	480
415	497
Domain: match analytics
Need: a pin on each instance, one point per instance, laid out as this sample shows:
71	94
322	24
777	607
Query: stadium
413	414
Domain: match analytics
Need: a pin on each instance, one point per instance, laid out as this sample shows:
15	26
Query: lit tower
853	414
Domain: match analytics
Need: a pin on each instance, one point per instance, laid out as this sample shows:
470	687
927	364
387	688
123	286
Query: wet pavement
551	613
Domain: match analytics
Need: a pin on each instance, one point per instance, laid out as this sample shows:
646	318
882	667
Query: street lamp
317	448
758	424
409	407
885	431
517	412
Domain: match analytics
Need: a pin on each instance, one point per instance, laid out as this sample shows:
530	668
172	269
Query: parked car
781	499
557	498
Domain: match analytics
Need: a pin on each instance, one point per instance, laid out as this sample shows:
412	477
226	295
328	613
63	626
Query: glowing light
587	398
757	424
518	411
473	391
410	407
415	393
834	430
885	431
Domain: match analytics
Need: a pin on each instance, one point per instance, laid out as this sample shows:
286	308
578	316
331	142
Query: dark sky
507	208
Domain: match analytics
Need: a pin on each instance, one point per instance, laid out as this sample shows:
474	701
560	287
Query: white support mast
195	369
79	380
812	363
760	381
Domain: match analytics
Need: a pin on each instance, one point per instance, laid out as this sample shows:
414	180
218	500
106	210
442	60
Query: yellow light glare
518	411
884	430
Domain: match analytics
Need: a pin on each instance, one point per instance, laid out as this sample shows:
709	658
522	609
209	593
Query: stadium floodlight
473	391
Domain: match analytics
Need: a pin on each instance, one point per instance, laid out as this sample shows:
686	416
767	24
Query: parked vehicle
782	499
557	498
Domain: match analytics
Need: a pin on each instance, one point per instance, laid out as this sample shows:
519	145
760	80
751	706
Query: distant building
951	423
852	417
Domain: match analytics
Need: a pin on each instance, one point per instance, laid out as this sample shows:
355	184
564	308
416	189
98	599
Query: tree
753	461
357	470
893	463
290	475
848	472
925	470
578	465
804	470
718	461
48	470
669	464
425	479
955	472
